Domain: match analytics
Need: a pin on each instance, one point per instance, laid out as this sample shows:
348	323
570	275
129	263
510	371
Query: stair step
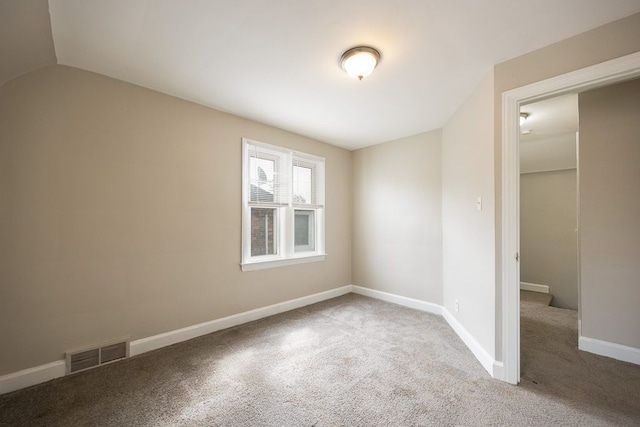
536	297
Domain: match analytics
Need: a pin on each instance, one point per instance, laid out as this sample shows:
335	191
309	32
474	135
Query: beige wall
468	234
610	41
25	37
120	215
548	238
610	213
397	228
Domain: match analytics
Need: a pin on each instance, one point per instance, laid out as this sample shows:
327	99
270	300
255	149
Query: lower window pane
304	228
264	232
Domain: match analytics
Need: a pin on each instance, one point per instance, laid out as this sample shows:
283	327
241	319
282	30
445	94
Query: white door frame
606	73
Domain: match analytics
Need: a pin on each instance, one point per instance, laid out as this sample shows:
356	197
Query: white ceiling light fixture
360	61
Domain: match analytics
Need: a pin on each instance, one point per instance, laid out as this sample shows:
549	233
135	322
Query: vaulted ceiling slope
25	37
277	61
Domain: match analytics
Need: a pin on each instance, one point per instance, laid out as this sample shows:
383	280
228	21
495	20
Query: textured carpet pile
349	361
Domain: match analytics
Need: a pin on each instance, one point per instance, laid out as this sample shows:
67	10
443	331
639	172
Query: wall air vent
96	356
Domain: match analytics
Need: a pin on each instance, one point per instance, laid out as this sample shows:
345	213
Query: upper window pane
303	184
262	179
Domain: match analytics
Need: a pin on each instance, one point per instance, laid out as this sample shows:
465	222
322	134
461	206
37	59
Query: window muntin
283	206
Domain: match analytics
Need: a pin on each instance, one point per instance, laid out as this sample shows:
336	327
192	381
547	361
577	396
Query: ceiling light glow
360	61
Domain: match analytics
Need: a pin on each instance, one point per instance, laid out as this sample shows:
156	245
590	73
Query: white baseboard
498	371
179	335
609	349
534	287
32	376
43	373
493	367
400	300
39	374
480	353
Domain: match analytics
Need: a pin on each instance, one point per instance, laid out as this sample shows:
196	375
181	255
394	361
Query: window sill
261	265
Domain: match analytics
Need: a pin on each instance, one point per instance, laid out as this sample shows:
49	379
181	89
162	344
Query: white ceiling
551	142
277	61
550	118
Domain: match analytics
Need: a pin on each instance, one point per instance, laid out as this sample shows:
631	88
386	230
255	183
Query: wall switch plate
479	203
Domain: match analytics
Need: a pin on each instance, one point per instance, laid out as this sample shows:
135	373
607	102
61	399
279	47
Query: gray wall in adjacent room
548	241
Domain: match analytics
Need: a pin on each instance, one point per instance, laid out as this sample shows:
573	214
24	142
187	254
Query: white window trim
286	214
281	262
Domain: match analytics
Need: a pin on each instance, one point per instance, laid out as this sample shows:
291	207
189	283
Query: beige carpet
552	365
350	361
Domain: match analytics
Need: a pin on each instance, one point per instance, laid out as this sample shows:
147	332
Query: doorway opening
607	73
549	285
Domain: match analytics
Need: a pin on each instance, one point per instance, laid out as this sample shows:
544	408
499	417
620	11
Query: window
282	206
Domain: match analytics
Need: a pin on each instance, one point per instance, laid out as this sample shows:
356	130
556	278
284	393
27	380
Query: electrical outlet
457	306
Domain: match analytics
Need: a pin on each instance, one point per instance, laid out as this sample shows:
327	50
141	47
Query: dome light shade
360	61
